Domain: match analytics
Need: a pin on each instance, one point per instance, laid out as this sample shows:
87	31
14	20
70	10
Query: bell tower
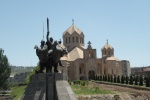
73	37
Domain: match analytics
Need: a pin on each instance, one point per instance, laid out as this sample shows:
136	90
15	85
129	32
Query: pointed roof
107	46
72	29
75	54
113	58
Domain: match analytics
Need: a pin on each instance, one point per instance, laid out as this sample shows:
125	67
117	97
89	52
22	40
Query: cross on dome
89	43
72	21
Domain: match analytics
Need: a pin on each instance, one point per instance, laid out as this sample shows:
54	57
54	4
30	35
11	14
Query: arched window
77	39
89	54
80	40
105	52
66	39
81	69
69	39
108	52
92	54
73	39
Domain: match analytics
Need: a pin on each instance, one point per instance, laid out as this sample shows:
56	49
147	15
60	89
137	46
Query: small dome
73	29
107	46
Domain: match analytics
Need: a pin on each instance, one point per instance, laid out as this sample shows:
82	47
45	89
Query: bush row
132	80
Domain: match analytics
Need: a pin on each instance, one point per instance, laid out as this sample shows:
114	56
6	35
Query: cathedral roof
73	29
75	54
107	46
112	58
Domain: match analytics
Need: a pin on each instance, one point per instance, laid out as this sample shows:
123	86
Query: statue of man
42	55
49	42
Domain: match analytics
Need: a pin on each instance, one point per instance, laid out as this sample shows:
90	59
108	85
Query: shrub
147	82
111	78
115	80
141	80
131	80
108	78
127	79
118	79
103	78
136	80
77	82
83	83
100	77
122	79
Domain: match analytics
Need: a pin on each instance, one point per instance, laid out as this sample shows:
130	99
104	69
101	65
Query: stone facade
126	70
82	62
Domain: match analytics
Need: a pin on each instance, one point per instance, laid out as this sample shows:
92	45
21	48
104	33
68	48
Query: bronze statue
50	53
42	55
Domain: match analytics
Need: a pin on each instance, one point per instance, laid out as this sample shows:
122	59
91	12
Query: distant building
19	78
126	70
82	62
141	71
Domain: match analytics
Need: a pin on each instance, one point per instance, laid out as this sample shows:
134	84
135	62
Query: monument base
48	86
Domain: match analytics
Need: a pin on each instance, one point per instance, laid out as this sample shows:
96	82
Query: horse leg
41	68
55	67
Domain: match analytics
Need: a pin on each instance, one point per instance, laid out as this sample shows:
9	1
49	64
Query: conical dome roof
107	46
73	29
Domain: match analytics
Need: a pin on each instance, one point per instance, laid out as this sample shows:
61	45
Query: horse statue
55	54
50	58
42	55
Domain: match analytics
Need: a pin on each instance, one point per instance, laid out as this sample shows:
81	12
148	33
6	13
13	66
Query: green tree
141	80
115	80
122	79
108	78
131	80
118	79
111	78
32	73
100	77
147	82
103	77
127	79
136	80
5	71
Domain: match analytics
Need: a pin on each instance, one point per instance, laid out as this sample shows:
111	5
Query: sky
125	23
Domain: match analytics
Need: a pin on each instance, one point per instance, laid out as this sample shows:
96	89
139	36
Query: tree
141	80
5	71
32	73
131	80
127	79
147	82
108	78
122	79
100	77
115	80
111	78
136	80
118	79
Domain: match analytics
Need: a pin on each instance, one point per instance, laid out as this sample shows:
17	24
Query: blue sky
125	23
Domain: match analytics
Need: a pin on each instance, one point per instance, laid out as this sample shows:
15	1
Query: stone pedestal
50	86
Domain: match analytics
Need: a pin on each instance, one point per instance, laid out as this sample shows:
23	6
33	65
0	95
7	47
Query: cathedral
82	63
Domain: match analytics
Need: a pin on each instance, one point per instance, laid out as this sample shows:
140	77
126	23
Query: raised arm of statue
47	37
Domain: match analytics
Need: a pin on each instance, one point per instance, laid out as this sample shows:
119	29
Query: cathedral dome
107	46
73	29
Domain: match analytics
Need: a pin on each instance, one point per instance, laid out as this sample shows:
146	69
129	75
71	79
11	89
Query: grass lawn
89	90
18	91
